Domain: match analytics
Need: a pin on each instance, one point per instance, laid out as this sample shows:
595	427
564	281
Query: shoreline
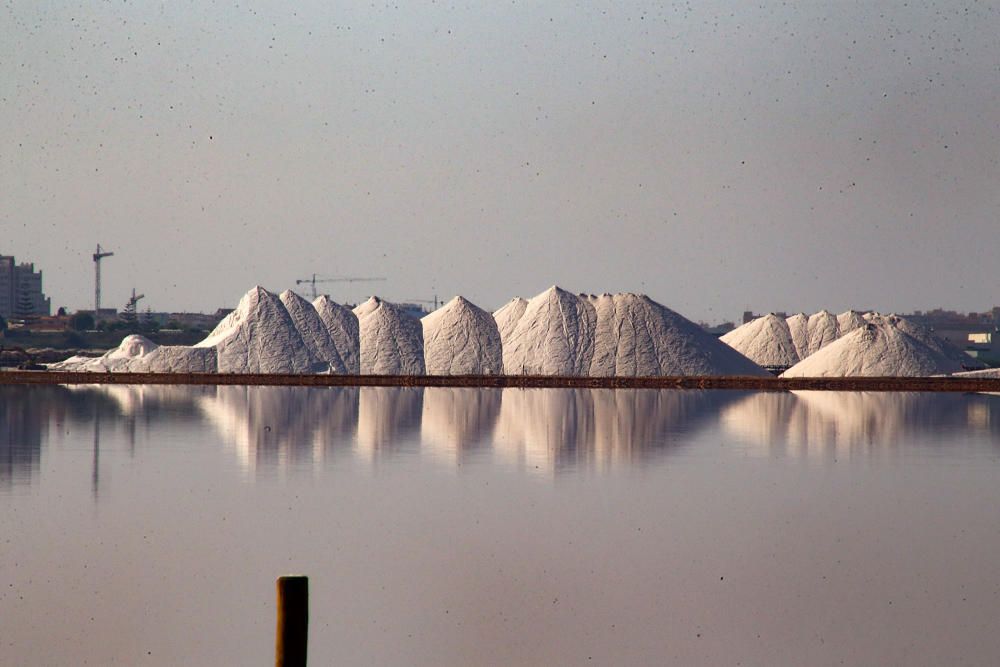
921	384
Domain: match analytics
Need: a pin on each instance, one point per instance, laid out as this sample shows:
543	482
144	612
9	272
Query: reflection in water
270	426
552	429
842	424
388	417
546	430
457	422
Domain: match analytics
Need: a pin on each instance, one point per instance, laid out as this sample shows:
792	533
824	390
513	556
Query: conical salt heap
798	329
884	346
822	330
554	336
392	342
766	340
461	339
342	325
638	337
314	332
259	337
509	315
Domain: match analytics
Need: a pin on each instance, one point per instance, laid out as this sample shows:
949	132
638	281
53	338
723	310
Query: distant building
21	290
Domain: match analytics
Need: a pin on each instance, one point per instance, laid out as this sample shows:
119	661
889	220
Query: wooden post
293	621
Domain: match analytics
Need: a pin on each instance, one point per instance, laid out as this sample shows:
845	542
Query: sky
718	156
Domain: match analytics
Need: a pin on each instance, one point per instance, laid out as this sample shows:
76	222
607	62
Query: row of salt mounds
314	332
392	342
461	339
777	342
559	333
342	325
884	346
261	337
138	354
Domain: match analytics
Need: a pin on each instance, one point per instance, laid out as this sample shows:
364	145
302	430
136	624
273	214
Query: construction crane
131	308
312	281
98	256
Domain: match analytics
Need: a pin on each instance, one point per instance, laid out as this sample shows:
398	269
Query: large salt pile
883	346
260	337
176	359
342	325
798	329
766	341
636	336
313	331
392	342
822	330
509	315
461	339
554	336
132	348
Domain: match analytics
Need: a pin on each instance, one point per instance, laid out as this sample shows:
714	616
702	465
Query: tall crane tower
312	281
98	256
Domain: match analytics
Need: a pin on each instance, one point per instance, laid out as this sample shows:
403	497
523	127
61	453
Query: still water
145	526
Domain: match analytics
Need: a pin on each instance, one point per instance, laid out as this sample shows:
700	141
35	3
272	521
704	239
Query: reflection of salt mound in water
884	346
313	331
260	337
842	424
387	418
392	342
635	336
554	336
456	421
509	315
342	326
282	426
180	401
549	429
461	339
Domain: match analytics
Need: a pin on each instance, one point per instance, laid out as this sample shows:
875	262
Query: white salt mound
554	336
822	330
766	341
260	337
342	326
461	339
509	315
638	337
884	346
850	320
392	342
798	328
176	359
133	348
981	373
314	333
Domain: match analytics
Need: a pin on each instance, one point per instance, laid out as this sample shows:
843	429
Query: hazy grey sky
715	155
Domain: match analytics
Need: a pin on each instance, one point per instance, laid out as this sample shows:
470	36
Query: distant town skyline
719	157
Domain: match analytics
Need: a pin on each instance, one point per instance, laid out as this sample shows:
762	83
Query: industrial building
21	290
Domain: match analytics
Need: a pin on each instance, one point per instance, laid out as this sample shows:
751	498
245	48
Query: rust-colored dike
523	381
